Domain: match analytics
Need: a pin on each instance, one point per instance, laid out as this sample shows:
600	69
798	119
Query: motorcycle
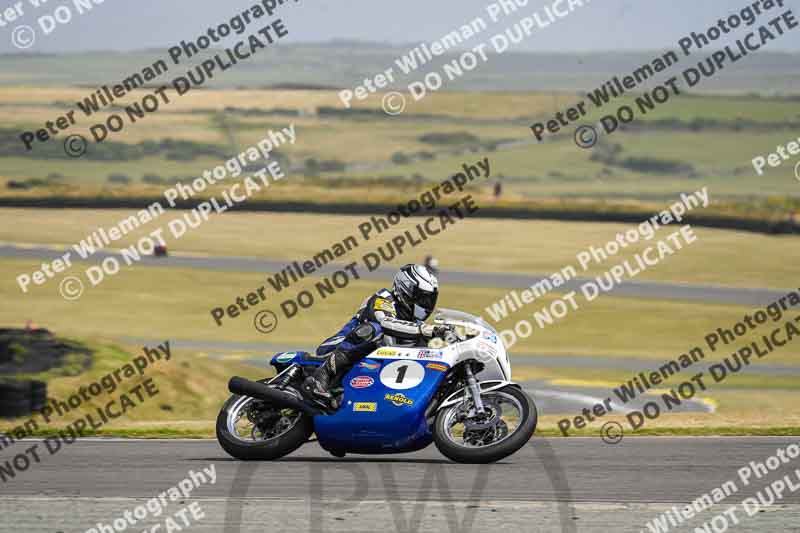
455	392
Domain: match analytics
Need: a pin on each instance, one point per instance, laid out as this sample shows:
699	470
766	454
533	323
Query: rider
388	317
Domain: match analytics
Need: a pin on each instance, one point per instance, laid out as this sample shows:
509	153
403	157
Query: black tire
12	391
15	409
37	405
15	386
14	398
38	389
493	452
265	450
38	395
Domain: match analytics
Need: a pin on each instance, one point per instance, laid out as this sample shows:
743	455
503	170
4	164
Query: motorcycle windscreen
383	407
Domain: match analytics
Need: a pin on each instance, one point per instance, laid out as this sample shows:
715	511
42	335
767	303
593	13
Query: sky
601	25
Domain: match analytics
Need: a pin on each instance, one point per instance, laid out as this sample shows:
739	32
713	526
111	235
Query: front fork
472	385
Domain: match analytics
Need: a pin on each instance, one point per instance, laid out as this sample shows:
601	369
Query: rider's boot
317	386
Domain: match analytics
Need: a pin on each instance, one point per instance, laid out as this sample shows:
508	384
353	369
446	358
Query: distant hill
346	63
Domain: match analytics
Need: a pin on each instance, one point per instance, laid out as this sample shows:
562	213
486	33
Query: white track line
580	398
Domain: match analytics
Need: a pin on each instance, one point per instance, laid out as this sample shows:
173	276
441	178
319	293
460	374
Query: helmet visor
425	303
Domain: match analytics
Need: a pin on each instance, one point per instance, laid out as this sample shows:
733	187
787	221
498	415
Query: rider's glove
433	331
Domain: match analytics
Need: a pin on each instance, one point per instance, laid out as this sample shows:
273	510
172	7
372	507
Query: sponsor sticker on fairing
369	366
437	366
429	354
361	382
399	399
365	407
487	347
490	337
285	357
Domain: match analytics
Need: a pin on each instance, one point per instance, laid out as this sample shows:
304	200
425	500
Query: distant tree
19	185
311	166
180	156
652	165
332	165
152	179
399	158
606	152
119	179
457	137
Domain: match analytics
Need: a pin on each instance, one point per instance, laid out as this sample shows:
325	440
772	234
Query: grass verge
191	390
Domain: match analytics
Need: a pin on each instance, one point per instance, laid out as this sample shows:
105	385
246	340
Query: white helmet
416	289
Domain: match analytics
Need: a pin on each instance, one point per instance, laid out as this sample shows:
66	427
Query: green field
711	141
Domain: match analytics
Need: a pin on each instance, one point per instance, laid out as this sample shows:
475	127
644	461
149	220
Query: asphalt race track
571	485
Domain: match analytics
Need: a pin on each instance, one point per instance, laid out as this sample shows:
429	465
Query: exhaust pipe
259	391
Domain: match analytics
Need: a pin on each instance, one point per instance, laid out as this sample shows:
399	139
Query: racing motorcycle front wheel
250	429
507	422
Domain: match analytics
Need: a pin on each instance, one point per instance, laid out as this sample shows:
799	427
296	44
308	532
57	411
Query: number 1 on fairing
401	373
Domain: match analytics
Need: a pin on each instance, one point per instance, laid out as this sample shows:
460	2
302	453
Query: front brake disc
486	421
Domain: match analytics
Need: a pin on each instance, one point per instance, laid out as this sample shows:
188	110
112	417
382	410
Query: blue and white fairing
384	400
387	393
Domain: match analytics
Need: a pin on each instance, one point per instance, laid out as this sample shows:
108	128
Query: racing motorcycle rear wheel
508	422
250	429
